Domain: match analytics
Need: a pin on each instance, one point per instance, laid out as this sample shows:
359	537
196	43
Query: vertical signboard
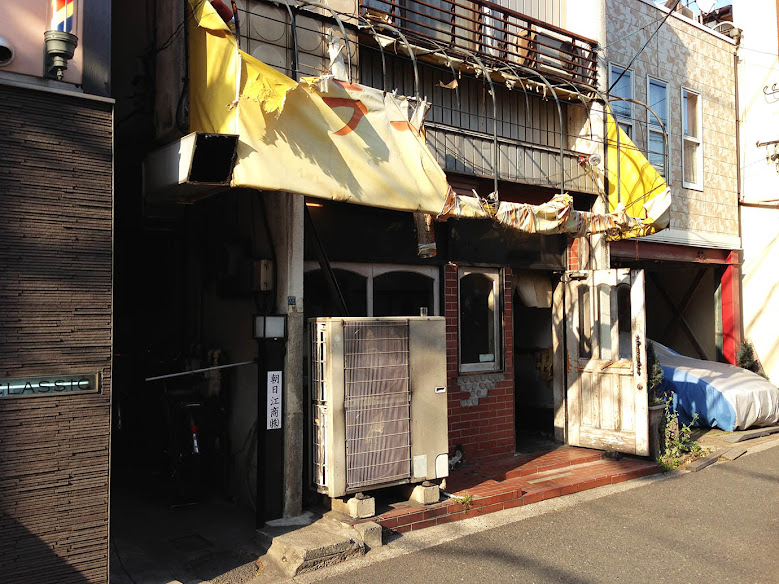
274	401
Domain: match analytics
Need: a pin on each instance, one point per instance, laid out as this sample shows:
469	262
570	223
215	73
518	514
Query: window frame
496	274
621	119
371	271
657	129
698	186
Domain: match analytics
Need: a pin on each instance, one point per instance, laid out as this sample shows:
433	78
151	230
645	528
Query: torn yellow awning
320	137
330	139
635	186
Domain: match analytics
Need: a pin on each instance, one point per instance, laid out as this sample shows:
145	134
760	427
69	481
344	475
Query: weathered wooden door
607	405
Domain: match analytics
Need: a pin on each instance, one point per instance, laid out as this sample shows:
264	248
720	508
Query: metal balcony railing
501	38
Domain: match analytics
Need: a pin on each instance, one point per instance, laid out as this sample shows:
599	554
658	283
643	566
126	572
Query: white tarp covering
724	396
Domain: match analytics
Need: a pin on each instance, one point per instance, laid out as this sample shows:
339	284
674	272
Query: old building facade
518	95
686	75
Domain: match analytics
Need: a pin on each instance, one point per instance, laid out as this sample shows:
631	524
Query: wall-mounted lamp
591	160
270	327
60	40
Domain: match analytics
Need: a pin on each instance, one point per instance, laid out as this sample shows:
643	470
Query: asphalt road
717	525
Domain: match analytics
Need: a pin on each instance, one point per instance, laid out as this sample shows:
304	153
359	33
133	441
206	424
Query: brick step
521	465
516	490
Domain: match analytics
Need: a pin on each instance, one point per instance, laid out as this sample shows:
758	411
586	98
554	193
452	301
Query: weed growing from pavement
678	445
466	500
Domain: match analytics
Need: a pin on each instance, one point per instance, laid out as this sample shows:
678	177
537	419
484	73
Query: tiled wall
56	279
683	54
481	405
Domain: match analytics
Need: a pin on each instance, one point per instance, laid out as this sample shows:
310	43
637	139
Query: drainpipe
738	122
738	291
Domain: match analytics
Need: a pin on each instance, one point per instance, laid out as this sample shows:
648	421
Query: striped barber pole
63	14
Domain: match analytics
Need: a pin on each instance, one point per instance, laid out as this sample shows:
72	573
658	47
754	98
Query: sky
706	5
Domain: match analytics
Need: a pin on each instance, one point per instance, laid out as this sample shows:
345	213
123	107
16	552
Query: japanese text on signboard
274	400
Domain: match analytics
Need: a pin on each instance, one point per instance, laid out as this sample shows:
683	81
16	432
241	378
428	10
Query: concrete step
324	542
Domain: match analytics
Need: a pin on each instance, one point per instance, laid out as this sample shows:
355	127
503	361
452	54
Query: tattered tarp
341	141
722	395
319	138
635	185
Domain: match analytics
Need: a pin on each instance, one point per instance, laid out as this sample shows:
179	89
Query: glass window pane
605	321
658	102
657	152
585	323
691	162
627	129
402	294
477	319
319	295
625	320
623	88
690	114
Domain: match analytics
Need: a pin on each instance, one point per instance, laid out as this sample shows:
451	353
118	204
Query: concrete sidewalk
714	526
477	489
218	544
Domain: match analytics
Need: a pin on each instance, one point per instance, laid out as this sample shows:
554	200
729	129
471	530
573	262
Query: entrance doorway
533	358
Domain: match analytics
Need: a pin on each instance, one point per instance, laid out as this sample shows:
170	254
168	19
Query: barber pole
63	14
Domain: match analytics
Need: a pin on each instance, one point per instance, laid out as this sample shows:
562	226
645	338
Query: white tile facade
684	55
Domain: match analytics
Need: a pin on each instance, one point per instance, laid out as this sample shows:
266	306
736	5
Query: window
585	322
479	301
692	149
658	103
607	336
402	293
623	110
624	321
373	290
320	302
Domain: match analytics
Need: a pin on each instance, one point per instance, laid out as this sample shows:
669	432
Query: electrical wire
627	36
641	50
177	31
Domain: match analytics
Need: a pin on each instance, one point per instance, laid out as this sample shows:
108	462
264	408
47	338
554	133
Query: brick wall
56	217
573	253
484	425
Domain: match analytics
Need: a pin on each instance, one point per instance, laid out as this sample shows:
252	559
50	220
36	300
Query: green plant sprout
678	445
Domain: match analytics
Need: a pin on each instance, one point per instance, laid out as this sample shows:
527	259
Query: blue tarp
723	396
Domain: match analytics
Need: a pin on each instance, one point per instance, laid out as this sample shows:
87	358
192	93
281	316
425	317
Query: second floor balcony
498	37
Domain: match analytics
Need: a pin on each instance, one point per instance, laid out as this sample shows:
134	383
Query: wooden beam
682	322
685	303
646	251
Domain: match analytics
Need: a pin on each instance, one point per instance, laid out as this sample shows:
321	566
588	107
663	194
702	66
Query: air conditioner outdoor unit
378	389
558	57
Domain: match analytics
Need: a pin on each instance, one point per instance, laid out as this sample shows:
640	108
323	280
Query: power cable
671	11
630	34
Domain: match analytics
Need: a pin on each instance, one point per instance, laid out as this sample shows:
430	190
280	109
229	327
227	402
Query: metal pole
169	375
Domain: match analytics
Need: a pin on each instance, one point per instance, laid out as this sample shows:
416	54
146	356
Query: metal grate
376	402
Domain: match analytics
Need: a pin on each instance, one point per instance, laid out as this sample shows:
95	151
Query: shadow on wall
27	558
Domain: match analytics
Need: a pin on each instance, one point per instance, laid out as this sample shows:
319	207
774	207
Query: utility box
379	403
